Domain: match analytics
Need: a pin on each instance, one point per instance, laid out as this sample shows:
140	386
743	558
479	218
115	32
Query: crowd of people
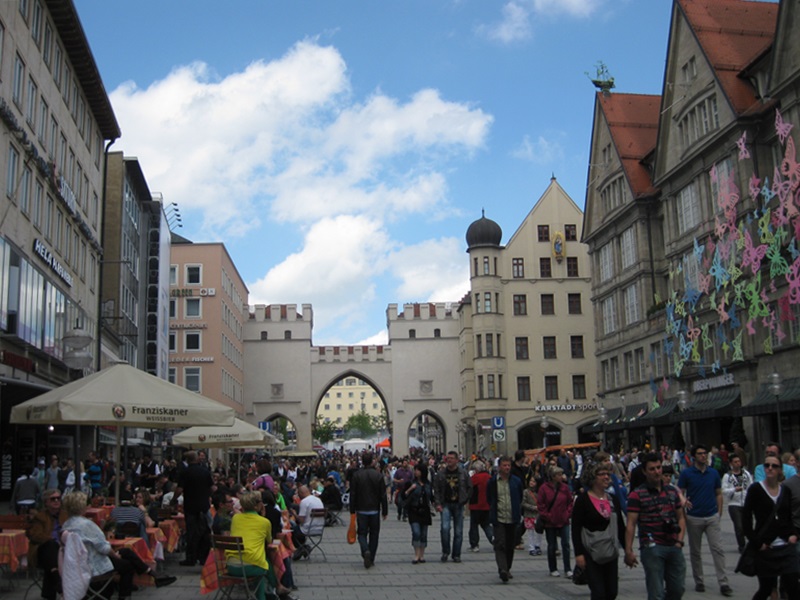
586	508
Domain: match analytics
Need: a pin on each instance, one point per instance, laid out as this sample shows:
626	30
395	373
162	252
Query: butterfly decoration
698	251
782	128
718	271
734	320
765	228
741	143
768	345
752	255
737	348
685	347
789	167
701	371
793	279
679	367
751	330
692	332
691	296
707	341
778	266
785	311
755	186
781	187
715	366
792	247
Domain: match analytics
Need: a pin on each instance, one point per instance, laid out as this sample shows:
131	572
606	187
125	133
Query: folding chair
316	528
333	517
99	586
221	544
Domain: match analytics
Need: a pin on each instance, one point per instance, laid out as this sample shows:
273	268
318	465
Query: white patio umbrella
122	396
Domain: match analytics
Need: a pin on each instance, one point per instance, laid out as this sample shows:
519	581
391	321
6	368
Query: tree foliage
324	431
360	424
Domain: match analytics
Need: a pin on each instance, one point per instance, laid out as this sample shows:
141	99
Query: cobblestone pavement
343	576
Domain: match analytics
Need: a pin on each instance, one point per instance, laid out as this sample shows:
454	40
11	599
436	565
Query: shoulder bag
538	526
602	545
747	561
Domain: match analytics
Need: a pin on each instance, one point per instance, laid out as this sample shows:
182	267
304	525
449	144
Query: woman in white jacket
734	488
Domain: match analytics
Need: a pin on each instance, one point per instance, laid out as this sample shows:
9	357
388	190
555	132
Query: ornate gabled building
526	343
719	209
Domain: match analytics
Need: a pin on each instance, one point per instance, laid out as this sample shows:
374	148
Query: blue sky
340	150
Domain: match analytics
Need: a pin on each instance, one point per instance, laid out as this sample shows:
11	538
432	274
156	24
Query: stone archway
427	431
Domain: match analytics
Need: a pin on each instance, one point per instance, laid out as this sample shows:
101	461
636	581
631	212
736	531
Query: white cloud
543	151
433	270
515	24
379	339
284	144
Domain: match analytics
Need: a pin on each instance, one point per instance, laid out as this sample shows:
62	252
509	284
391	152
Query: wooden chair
221	544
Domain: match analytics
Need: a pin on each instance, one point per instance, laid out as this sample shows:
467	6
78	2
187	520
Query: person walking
368	502
451	491
195	485
504	494
775	535
555	507
479	507
597	525
530	511
656	508
417	498
734	487
702	487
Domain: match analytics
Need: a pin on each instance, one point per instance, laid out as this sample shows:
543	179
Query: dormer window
689	71
698	121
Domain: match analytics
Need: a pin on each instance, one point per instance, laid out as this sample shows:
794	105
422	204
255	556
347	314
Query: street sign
498	422
499	435
263	425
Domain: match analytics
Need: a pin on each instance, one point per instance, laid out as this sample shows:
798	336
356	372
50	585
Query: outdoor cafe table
99	514
172	533
156	538
13	545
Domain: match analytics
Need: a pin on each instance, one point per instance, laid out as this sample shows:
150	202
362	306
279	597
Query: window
173	342
545	270
615	371
32	105
543	233
480	387
19	80
631	301
487	302
172	375
551	387
287	335
572	266
11	173
191	379
724	170
490	392
44	118
609	309
613	194
574	303
350	406
630	367
173	308
689	70
606	260
688	209
192	309
173	274
478	346
194	275
437	333
191	341
518	268
24	194
57	60
36	23
47	47
520	304
628	247
548	304
576	346
412	333
698	121
38	196
570	233
641	365
485	265
579	387
521	345
657	359
549	346
524	389
489	344
606	369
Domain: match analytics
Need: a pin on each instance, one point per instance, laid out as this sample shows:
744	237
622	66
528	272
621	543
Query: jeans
419	535
505	534
695	528
368	530
552	534
664	565
735	513
603	579
454	511
479	518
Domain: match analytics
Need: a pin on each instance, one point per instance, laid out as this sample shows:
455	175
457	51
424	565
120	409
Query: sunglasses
772	466
55	499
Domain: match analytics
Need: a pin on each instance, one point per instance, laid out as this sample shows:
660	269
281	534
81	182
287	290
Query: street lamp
603	418
545	425
77	339
776	387
683	405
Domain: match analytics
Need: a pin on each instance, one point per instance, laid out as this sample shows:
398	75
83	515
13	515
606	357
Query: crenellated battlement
281	313
334	354
422	311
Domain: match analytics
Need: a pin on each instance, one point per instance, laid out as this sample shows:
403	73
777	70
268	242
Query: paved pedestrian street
343	576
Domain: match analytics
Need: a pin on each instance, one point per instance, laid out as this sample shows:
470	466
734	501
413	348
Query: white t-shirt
306	505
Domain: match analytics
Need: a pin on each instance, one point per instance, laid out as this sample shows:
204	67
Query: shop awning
766	403
712	404
613	415
632	416
660	415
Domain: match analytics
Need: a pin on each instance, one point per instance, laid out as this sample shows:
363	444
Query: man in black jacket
367	498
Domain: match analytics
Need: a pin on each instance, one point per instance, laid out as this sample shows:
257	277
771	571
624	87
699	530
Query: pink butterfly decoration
752	255
741	143
781	128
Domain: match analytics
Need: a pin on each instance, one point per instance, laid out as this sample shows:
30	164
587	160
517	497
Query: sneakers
532	552
475	549
555	574
726	590
537	551
568	574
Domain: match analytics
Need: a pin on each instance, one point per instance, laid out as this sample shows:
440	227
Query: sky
340	150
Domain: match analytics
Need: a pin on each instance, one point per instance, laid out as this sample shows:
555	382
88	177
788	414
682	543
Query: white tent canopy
241	435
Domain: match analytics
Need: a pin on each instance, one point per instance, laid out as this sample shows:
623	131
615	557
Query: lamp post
776	387
683	405
603	418
545	425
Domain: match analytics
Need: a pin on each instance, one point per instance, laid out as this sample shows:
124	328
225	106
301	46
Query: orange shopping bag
351	530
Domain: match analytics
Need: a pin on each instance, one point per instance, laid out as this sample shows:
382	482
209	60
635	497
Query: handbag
747	561
602	545
579	576
538	526
351	530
